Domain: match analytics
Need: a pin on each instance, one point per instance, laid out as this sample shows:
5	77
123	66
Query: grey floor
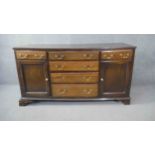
142	108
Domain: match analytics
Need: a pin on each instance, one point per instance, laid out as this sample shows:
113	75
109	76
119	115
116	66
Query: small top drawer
124	54
74	55
29	54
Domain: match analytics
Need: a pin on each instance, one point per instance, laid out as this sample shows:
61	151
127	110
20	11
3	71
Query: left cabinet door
33	77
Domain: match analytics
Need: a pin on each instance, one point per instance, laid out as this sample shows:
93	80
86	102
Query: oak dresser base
75	73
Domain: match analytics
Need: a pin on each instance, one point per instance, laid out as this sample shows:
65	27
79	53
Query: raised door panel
33	76
115	77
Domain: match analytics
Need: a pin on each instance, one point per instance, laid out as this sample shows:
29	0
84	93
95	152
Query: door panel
33	76
116	78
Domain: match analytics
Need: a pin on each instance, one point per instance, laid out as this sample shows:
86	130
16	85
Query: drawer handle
63	91
87	91
124	56
108	56
24	56
62	77
41	56
59	66
35	55
88	56
87	78
59	56
20	55
88	66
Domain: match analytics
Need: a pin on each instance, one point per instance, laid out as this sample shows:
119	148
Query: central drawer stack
74	73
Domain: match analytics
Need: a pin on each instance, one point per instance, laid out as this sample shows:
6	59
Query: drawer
88	77
74	55
29	54
125	54
74	65
74	90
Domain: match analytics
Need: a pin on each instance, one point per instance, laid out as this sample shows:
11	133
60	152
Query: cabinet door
33	76
115	78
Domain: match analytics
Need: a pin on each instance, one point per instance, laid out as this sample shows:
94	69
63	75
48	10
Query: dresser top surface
105	46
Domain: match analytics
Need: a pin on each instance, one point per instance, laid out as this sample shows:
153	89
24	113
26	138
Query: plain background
142	90
144	72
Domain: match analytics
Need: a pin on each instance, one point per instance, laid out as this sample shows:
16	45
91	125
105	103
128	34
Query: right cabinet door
115	78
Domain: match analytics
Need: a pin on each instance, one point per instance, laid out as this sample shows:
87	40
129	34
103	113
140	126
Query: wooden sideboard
93	72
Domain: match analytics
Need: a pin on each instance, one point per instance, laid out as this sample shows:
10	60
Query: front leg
126	102
24	102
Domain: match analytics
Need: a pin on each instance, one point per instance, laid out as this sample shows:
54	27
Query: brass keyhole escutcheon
88	56
88	66
61	56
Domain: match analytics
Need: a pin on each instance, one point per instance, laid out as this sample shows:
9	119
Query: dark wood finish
94	72
33	77
75	90
74	77
74	66
73	55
